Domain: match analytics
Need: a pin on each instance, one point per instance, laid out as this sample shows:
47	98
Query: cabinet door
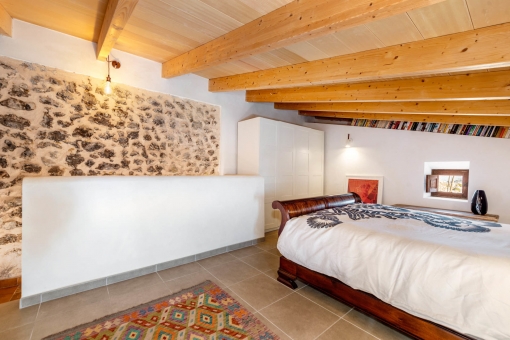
248	147
269	219
272	218
285	150
284	192
269	189
301	187
316	185
316	145
268	147
316	179
284	186
268	164
301	151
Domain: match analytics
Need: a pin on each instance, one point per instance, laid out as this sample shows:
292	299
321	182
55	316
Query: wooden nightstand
454	213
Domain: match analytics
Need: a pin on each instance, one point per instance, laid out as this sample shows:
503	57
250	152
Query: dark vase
479	204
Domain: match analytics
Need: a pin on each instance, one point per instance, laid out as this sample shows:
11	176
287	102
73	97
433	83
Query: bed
428	276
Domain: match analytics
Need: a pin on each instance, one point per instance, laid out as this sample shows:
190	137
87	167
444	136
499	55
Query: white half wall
399	156
79	229
50	48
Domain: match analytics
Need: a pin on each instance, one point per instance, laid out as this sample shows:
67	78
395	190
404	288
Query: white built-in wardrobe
289	157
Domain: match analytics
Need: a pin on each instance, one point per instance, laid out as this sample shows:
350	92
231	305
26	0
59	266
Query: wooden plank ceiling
162	30
5	22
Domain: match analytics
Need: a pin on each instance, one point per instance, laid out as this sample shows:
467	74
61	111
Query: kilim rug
203	312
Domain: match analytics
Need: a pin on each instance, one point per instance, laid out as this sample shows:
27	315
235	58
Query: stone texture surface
56	123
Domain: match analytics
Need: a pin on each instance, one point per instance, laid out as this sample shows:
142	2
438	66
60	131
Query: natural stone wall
56	123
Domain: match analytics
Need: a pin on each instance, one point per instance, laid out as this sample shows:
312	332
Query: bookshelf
452	129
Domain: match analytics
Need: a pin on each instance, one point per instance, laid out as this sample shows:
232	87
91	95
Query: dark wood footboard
368	304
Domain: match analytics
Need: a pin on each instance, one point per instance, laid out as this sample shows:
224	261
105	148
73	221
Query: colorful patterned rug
203	312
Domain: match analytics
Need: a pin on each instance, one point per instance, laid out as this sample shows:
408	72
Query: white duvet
451	271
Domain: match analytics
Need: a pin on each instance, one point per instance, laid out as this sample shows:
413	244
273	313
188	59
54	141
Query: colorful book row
453	129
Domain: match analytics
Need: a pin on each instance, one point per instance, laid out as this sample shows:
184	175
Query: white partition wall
79	229
289	157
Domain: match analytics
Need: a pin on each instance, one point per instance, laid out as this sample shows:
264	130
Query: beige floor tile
345	331
267	244
246	251
325	301
11	316
240	300
233	272
274	251
139	296
133	284
272	234
216	260
70	318
272	273
272	327
174	273
373	327
298	317
192	280
68	302
18	333
263	261
260	291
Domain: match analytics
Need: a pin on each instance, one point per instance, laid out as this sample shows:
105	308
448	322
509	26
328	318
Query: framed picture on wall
370	188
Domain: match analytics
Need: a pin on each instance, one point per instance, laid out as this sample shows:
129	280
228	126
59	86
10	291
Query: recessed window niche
446	180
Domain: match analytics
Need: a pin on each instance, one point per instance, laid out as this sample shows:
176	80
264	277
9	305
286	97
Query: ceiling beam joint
464	107
297	21
479	49
476	86
5	22
115	19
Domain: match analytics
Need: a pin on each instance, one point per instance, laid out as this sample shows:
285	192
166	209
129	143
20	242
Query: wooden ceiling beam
468	107
460	52
297	21
448	119
5	22
115	19
477	86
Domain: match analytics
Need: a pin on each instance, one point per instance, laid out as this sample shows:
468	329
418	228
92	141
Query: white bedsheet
457	277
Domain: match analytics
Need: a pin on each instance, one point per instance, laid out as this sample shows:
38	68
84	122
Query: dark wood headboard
303	206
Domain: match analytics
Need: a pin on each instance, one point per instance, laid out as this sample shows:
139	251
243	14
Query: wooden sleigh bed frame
368	304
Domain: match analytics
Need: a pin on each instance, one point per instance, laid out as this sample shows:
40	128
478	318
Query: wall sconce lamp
108	85
349	141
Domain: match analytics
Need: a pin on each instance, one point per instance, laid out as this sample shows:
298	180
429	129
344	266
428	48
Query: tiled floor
247	274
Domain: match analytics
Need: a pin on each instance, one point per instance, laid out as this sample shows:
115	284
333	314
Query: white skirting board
80	229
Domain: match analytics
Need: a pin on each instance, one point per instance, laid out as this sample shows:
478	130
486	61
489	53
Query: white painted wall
50	48
78	229
400	156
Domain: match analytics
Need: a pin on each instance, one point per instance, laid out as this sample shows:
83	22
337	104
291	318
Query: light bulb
108	86
349	140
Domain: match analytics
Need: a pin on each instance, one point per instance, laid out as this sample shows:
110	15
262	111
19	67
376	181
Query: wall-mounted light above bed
348	144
